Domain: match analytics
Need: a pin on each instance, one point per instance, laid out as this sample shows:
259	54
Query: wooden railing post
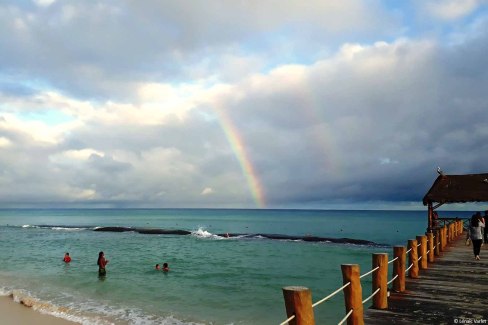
298	302
422	251
380	280
353	293
443	238
399	252
430	246
437	243
447	235
412	259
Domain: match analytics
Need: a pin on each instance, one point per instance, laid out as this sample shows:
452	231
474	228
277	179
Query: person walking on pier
485	232
476	233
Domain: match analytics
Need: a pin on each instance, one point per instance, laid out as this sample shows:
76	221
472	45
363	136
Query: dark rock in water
146	231
156	231
152	231
114	229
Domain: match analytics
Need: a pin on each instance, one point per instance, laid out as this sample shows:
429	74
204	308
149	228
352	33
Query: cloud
97	49
451	9
207	191
44	3
116	119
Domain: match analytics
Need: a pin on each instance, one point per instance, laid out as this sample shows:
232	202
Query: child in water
165	267
157	267
101	262
66	258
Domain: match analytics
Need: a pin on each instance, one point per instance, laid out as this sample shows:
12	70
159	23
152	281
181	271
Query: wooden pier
445	285
453	290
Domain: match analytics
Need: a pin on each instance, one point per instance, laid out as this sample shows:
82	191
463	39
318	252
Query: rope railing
393	260
331	295
422	248
372	295
287	320
345	317
368	273
408	269
393	279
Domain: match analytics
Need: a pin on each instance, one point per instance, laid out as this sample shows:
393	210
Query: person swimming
165	267
157	267
101	262
66	258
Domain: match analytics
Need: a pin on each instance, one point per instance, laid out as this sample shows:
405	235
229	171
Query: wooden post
448	233
429	217
399	252
437	243
422	251
380	280
412	259
298	302
430	247
353	293
443	238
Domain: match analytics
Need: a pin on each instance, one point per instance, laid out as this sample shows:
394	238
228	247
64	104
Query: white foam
89	312
67	229
202	233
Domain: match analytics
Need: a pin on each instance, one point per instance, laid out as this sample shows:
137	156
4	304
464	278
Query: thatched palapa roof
458	189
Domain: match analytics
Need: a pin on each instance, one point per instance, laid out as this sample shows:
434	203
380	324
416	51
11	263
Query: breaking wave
89	312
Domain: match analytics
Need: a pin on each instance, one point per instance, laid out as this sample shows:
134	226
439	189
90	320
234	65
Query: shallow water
213	280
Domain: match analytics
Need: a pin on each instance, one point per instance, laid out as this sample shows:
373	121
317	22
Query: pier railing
421	251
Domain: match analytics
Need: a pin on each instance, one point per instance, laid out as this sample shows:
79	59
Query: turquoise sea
212	279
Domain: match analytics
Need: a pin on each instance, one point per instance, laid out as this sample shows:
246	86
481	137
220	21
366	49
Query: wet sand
15	314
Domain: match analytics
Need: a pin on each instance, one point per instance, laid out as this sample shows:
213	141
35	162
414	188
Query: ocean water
212	279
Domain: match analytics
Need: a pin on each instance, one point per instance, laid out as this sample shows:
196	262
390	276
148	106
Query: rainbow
238	147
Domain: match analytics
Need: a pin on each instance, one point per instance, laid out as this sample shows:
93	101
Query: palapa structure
455	189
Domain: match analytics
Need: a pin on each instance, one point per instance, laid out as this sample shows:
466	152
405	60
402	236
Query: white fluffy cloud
451	9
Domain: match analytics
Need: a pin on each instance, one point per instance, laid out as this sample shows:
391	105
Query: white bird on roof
439	171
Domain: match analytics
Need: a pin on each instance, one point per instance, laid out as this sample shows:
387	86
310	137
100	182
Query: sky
239	104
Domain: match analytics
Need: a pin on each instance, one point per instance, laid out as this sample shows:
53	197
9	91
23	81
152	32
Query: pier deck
453	290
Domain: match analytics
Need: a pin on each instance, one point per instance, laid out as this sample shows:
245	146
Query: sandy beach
16	314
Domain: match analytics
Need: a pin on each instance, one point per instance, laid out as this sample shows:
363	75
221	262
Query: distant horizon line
203	208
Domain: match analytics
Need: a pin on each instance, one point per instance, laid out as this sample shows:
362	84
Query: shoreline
14	313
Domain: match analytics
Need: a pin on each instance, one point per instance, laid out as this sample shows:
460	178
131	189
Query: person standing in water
66	258
102	262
